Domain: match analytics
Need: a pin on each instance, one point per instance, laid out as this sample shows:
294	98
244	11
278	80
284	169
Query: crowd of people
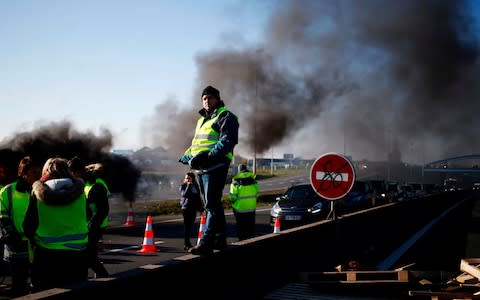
55	213
51	219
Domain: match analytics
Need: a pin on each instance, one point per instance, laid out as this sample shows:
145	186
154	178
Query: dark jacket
98	195
227	125
190	197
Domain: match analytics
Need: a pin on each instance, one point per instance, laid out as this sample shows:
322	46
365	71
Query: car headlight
316	208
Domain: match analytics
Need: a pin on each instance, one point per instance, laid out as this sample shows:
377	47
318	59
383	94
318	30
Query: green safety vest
244	197
63	227
206	137
14	205
92	206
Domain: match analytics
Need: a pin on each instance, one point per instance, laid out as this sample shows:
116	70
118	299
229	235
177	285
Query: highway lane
122	244
265	185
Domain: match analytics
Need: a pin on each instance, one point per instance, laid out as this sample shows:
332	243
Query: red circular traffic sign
332	176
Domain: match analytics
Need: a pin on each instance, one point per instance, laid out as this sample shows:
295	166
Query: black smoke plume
60	139
375	79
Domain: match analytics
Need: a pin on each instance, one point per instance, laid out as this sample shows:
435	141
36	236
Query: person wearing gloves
210	154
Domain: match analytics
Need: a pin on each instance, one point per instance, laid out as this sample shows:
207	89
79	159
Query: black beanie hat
210	90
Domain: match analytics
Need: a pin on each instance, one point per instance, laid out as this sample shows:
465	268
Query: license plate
293	218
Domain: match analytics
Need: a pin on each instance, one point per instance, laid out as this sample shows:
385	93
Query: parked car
407	192
300	204
379	189
394	192
417	189
476	186
360	196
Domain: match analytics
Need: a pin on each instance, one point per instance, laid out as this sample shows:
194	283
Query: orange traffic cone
130	217
276	226
148	239
201	228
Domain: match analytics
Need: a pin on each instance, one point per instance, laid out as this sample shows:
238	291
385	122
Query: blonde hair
56	167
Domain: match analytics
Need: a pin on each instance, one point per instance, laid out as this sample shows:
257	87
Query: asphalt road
122	244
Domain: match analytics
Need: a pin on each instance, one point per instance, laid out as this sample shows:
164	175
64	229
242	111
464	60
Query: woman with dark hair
190	203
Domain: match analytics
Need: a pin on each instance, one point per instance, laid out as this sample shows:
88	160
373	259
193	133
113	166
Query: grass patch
172	207
266	198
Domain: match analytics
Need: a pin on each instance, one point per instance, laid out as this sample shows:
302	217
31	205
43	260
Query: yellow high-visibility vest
93	207
205	136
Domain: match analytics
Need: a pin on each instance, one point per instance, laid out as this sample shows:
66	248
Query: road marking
128	248
161	242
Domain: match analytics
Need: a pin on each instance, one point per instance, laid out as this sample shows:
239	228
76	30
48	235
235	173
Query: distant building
124	152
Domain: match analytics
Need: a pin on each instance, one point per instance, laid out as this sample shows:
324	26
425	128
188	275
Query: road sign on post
332	176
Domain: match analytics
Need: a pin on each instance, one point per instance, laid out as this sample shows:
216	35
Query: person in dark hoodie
56	225
190	204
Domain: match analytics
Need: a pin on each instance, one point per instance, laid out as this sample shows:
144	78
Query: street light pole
271	164
254	167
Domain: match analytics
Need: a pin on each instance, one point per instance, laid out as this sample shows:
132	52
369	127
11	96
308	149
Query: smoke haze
373	79
63	140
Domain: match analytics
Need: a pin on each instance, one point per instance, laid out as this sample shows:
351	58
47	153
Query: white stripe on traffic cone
201	228
276	226
130	216
148	238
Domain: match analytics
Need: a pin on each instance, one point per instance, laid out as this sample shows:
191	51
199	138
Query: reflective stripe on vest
92	206
206	137
63	227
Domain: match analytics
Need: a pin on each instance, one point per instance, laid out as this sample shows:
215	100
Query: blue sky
364	85
76	60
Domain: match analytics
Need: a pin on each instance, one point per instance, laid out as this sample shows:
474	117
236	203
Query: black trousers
94	262
189	216
245	224
54	268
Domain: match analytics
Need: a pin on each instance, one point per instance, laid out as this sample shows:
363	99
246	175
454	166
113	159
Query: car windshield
359	187
416	186
300	195
378	185
392	187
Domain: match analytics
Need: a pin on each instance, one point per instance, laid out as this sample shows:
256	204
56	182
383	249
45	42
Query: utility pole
254	167
271	164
